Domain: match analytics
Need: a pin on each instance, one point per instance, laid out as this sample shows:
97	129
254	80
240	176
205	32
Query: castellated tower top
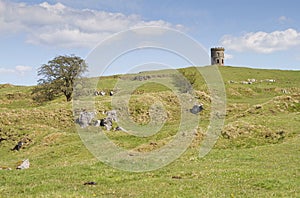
217	55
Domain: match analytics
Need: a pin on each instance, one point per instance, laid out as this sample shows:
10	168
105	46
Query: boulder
112	115
97	123
18	146
107	123
24	165
102	93
108	127
85	118
196	109
118	128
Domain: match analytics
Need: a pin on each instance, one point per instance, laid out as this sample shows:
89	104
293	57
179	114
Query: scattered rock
284	91
258	106
97	123
279	135
96	93
270	80
141	78
5	168
107	123
102	93
118	128
108	127
176	177
90	183
153	143
85	118
252	80
99	93
196	109
18	146
246	82
2	139
24	165
112	115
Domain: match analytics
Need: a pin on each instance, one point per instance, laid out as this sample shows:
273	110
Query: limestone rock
24	165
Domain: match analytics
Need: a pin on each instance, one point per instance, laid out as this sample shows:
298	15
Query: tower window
222	61
218	61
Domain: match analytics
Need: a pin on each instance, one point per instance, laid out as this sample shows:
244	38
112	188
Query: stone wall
217	56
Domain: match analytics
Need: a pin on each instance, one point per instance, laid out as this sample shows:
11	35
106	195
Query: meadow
256	155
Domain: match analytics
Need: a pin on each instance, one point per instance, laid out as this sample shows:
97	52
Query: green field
256	155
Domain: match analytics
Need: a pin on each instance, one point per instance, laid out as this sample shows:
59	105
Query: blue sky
258	34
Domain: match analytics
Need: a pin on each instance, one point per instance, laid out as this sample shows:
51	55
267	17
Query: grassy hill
257	154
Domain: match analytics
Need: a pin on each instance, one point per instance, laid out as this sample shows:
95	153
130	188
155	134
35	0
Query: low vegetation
256	155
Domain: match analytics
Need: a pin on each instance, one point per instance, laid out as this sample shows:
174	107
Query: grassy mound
256	155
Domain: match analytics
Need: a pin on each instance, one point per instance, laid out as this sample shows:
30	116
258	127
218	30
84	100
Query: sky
254	33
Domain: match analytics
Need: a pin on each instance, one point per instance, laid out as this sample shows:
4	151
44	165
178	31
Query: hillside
256	155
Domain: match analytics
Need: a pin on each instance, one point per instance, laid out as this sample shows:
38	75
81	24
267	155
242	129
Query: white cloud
6	71
19	69
228	56
262	42
61	26
22	69
282	18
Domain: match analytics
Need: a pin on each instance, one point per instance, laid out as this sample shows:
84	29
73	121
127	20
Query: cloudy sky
255	33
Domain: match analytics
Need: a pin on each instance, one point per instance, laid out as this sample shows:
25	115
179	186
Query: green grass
223	173
252	157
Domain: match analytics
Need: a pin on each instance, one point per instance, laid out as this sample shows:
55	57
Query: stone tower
217	55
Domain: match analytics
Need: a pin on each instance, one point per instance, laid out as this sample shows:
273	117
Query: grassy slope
251	159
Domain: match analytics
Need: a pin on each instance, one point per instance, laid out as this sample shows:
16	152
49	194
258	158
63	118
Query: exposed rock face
97	123
112	115
85	118
142	78
107	123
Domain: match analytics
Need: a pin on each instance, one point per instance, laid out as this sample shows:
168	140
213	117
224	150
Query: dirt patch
51	138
